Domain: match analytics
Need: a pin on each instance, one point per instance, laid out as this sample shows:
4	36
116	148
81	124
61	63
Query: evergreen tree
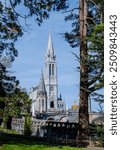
87	34
17	104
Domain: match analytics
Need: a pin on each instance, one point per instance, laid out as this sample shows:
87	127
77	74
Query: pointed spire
50	49
41	83
60	96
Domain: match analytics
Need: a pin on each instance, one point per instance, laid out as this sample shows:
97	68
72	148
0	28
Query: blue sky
32	48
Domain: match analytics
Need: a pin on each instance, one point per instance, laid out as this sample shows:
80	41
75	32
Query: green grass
35	147
16	142
10	140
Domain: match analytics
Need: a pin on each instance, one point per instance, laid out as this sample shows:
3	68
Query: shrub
28	126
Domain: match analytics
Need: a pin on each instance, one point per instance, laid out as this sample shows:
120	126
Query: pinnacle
41	83
50	49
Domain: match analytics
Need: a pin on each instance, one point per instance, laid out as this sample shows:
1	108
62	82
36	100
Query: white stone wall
61	105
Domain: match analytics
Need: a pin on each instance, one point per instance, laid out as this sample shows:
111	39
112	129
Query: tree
11	27
87	34
28	125
8	83
10	31
83	106
15	105
96	61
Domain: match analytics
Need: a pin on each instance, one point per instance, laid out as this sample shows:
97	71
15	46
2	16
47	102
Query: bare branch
94	4
95	78
24	17
89	18
19	15
77	57
71	10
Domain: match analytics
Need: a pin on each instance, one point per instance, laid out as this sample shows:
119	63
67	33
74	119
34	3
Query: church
44	97
46	104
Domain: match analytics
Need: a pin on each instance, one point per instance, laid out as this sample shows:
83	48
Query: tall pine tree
87	34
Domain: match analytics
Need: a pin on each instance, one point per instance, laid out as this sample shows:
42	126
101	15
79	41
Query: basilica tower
50	76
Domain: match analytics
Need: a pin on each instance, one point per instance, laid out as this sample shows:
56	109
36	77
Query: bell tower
50	76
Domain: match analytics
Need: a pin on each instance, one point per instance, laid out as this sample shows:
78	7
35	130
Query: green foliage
28	126
8	85
7	131
41	9
94	60
87	34
99	135
10	20
10	26
100	132
15	105
10	31
7	81
73	38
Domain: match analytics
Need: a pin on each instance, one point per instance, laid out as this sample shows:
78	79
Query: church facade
44	97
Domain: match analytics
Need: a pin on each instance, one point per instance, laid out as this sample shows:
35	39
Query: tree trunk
83	104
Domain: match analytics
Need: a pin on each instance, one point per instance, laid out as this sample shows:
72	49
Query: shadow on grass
37	143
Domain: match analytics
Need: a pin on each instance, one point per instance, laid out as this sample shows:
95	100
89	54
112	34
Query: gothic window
43	104
53	69
52	104
50	69
39	104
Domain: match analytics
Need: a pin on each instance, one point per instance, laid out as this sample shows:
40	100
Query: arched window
52	104
53	69
39	105
43	104
50	69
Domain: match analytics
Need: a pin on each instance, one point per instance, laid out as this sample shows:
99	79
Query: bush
98	136
28	126
3	130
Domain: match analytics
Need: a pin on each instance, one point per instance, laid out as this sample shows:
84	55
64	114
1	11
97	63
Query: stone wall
18	125
42	127
47	129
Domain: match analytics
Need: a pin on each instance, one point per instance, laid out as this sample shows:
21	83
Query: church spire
41	83
50	49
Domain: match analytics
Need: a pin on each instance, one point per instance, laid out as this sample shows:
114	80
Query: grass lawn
11	141
19	146
16	142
